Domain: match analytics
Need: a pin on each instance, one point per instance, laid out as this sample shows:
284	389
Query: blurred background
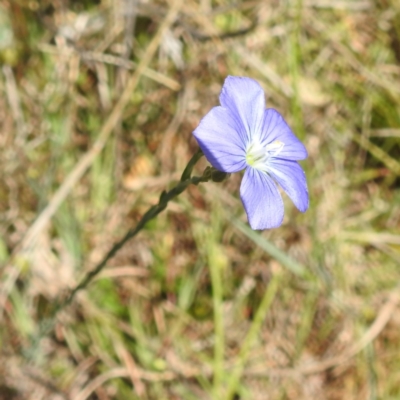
98	102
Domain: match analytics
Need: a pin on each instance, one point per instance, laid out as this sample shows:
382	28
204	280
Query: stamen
277	145
258	155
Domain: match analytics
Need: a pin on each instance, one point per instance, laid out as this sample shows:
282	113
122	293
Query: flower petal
261	199
218	138
245	99
275	128
292	178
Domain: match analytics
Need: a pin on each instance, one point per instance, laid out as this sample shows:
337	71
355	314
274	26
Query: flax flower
242	134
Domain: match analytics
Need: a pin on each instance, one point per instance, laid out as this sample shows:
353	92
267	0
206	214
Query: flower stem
187	172
151	213
48	324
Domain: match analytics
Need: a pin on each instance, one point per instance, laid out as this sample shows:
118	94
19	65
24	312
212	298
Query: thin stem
219	336
187	172
151	213
294	58
255	327
48	324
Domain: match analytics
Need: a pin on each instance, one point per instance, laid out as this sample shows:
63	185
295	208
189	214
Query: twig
130	22
133	370
378	153
15	104
121	373
168	137
111	59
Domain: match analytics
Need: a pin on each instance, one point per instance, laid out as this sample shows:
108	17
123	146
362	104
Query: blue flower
243	134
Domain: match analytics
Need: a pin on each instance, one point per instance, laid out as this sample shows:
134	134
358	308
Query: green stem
294	55
151	213
251	335
47	324
187	172
219	341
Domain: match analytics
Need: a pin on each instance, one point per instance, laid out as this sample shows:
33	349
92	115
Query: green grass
198	306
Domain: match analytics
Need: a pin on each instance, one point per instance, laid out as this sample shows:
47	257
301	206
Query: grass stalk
255	328
219	337
294	61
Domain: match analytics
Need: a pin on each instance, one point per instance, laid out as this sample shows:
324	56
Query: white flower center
258	155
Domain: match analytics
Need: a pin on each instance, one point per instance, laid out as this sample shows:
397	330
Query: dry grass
99	99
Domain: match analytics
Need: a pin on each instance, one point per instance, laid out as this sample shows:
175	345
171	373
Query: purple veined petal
218	138
245	99
261	199
292	178
275	128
